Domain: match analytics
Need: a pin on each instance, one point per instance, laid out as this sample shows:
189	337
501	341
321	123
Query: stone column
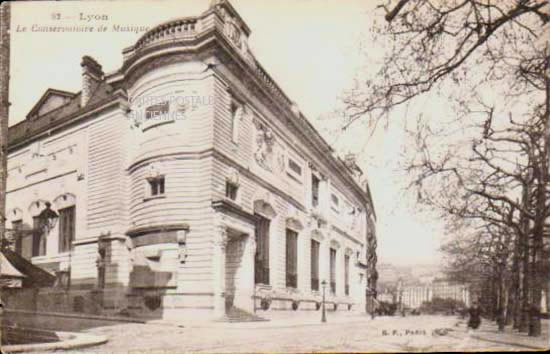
324	266
220	242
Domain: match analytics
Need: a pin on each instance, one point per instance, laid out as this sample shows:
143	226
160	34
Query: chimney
92	74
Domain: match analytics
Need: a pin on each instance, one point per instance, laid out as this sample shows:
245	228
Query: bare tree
489	61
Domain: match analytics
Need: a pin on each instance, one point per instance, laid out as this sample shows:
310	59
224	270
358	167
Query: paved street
350	334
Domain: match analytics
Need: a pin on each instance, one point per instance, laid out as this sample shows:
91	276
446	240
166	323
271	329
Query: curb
77	340
496	341
508	343
77	315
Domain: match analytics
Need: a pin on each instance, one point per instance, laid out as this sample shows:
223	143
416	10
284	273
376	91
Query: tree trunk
524	266
524	307
501	302
536	294
515	289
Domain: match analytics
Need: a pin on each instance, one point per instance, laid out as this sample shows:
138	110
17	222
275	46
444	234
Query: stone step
235	314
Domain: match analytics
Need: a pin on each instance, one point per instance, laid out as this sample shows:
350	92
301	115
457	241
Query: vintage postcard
274	176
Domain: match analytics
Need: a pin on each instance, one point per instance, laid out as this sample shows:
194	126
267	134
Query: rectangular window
66	228
294	167
346	270
333	270
235	121
261	269
156	110
156	186
231	190
39	238
314	191
335	202
294	170
315	265
291	259
25	240
16	226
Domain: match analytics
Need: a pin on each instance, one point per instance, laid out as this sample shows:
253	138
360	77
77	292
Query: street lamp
48	218
324	317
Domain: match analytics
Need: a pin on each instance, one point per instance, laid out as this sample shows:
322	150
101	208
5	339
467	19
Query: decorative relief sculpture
154	170
334	244
317	235
246	52
233	31
265	141
233	177
182	245
293	220
221	237
281	159
231	28
181	106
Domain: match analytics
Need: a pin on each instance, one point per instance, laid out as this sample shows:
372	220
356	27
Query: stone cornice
161	228
229	206
346	235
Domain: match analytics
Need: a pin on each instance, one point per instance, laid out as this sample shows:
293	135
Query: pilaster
220	243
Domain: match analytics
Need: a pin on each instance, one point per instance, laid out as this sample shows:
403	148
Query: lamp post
370	301
324	316
48	218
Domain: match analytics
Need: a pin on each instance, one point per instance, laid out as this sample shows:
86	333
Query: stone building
187	183
414	295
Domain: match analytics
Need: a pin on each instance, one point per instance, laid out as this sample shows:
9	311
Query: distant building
414	296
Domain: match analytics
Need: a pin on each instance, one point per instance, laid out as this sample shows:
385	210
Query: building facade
415	295
187	182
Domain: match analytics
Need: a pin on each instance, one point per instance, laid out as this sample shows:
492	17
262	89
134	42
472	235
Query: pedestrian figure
475	317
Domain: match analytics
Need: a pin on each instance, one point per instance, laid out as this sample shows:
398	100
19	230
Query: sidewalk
488	332
283	319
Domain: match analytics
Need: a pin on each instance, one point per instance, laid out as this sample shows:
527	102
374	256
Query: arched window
39	236
264	213
291	258
66	208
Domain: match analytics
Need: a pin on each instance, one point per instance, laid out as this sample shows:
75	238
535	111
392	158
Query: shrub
443	306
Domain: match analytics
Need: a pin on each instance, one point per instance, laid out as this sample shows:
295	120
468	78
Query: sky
314	49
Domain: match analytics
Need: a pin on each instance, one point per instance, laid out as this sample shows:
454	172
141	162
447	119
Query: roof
34	126
47	95
34	276
7	269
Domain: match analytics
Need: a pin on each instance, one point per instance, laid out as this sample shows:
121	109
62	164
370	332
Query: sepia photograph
259	176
